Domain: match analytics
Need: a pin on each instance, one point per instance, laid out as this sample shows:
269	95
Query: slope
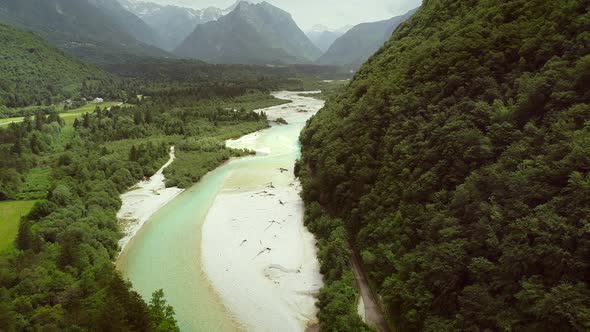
251	33
78	27
456	163
32	72
360	42
131	23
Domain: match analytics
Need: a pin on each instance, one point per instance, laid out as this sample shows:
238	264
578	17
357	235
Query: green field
71	115
10	214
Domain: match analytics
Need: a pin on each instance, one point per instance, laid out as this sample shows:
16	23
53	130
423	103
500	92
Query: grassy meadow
10	214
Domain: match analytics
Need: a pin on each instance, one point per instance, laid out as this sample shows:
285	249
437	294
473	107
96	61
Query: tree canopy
34	73
457	161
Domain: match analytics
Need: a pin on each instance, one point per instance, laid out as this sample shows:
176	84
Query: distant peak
237	4
247	6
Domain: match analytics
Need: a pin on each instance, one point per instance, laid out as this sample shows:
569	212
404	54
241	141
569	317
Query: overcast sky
331	13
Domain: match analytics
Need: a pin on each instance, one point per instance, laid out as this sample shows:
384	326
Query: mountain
100	31
232	7
456	164
359	43
129	21
172	23
33	72
251	33
323	37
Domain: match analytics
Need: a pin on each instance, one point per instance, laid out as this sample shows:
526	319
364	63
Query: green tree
161	313
24	237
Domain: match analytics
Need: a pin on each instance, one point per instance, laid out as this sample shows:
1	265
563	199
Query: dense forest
61	274
172	70
34	73
456	164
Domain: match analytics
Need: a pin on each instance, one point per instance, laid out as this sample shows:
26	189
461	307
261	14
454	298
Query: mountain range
101	31
172	23
360	42
116	31
251	33
128	21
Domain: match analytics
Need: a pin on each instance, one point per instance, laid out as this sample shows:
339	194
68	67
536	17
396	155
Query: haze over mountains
96	30
251	33
116	31
323	37
172	23
129	22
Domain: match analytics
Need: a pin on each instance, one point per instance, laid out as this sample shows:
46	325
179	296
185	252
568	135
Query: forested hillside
131	23
34	73
99	31
183	71
457	165
360	42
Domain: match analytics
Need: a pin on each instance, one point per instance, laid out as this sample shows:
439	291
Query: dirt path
373	315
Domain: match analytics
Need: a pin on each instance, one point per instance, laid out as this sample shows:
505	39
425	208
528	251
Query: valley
77	169
196	232
180	166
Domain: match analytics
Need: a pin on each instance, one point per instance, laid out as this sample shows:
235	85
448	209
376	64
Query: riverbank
256	252
261	259
145	199
167	251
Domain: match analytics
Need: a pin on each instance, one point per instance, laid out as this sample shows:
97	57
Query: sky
330	13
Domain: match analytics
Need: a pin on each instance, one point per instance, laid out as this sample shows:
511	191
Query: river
168	251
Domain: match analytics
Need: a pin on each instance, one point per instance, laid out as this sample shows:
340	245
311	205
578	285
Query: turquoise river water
165	253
